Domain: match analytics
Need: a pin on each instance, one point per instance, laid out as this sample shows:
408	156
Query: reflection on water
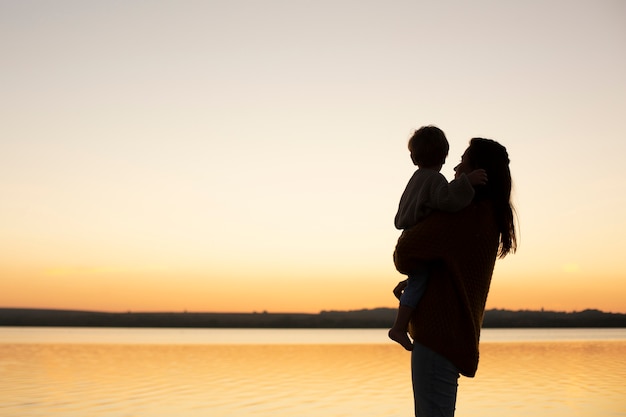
558	378
547	379
238	380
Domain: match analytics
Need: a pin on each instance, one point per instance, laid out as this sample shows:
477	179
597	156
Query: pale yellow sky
248	156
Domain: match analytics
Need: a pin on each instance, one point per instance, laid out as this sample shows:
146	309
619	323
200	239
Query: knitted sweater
464	246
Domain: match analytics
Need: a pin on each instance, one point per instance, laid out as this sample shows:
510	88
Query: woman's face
463	167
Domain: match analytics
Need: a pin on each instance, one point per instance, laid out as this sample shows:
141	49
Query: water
308	373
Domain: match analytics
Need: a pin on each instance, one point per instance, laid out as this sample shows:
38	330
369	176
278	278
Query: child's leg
398	332
416	286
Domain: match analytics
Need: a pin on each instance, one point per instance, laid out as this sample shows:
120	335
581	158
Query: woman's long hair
493	158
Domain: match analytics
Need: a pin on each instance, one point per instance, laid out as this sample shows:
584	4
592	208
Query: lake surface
297	372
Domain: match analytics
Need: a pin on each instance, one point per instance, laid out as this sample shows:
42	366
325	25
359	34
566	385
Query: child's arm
477	177
457	194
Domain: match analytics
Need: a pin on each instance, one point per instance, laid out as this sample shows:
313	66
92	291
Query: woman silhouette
463	247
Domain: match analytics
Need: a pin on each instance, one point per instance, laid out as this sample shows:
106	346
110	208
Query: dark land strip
367	318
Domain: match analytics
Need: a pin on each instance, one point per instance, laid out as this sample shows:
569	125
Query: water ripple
514	379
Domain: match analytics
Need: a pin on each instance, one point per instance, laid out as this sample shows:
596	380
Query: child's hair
429	146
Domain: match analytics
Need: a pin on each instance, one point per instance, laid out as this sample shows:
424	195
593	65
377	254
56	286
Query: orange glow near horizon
94	289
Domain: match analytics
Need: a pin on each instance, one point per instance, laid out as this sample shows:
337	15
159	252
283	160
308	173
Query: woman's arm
397	291
443	236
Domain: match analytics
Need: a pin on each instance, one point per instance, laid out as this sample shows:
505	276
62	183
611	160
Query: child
427	190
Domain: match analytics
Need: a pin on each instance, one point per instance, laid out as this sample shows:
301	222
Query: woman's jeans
435	381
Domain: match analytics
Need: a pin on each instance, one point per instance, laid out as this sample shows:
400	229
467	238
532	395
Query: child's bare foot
401	337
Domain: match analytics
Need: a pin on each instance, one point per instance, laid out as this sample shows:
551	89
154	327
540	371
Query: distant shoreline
366	318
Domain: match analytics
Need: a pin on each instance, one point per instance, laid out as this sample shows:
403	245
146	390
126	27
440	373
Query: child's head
429	147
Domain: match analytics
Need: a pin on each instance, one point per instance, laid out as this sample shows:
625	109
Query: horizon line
185	311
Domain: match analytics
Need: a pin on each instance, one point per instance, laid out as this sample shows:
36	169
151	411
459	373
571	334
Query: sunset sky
250	155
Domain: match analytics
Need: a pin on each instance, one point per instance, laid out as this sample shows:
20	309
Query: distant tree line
367	318
527	318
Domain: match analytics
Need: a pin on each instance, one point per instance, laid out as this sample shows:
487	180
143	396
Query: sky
244	156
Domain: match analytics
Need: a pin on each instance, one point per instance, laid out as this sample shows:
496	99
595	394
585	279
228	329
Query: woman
463	246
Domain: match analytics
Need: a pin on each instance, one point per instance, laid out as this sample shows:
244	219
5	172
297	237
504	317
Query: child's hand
477	177
399	288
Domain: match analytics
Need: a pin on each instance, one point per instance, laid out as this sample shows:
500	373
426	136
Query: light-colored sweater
462	247
428	190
